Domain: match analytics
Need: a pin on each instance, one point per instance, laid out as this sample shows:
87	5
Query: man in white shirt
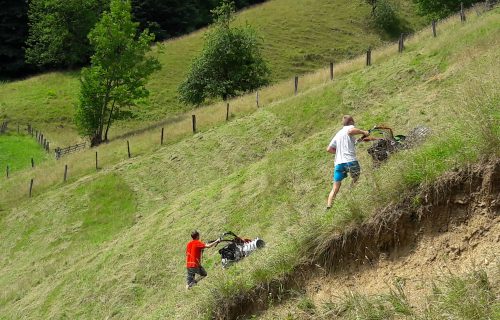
343	146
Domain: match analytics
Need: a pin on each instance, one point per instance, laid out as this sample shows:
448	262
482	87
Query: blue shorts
342	169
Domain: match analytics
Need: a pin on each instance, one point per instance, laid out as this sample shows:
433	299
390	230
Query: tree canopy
118	73
441	8
229	64
58	31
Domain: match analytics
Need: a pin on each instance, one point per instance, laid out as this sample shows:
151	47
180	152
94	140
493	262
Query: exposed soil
451	226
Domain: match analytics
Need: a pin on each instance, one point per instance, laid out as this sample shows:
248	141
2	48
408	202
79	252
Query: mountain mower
389	143
237	248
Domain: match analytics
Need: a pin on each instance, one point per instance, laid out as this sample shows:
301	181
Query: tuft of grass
463	297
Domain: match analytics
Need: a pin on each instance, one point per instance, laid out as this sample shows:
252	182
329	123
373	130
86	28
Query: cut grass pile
16	152
298	37
265	174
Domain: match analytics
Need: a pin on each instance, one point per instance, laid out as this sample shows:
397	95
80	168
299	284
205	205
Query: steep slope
111	244
299	36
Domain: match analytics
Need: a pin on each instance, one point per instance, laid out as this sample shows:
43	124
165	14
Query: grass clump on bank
469	296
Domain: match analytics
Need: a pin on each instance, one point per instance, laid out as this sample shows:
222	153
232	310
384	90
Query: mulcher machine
237	248
389	143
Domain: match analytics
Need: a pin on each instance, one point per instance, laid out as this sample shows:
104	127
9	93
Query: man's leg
201	271
354	171
333	193
190	278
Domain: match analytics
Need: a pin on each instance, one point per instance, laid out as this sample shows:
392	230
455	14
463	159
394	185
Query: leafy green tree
118	73
230	62
437	9
58	31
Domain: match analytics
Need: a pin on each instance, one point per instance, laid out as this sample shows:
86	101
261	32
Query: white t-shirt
345	146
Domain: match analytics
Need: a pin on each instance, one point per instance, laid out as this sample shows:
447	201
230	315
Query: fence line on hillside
62	151
3	127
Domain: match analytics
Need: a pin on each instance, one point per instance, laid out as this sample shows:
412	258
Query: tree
230	62
438	9
13	34
118	73
58	31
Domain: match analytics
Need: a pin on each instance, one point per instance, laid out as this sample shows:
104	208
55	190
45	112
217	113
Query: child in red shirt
194	250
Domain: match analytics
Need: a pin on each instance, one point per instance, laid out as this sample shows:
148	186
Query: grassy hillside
17	151
299	36
111	244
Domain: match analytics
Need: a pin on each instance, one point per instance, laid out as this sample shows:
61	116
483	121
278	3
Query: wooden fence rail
3	127
68	150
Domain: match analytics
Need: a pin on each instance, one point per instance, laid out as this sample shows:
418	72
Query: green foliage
385	15
58	31
118	74
437	9
230	63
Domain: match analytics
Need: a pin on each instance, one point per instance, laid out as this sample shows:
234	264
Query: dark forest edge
24	23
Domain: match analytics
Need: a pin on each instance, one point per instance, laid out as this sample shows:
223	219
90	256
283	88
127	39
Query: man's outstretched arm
211	244
355	131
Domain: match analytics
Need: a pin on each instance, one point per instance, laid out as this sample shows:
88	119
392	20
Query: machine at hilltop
237	248
386	143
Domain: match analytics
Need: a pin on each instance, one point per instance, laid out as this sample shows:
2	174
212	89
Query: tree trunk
109	122
96	140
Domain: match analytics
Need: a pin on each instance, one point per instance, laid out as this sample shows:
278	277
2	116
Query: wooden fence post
227	111
48	146
369	57
161	139
18	129
296	84
257	98
7	171
434	28
462	12
36	134
193	117
32	163
96	164
331	70
401	43
128	149
65	172
31	186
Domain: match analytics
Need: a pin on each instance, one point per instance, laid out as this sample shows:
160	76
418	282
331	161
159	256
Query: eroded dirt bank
451	226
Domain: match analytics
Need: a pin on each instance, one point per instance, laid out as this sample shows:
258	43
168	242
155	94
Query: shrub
384	15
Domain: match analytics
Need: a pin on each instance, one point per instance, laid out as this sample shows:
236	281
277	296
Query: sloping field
298	37
111	244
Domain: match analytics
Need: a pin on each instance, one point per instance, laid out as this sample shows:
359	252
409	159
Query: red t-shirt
193	253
